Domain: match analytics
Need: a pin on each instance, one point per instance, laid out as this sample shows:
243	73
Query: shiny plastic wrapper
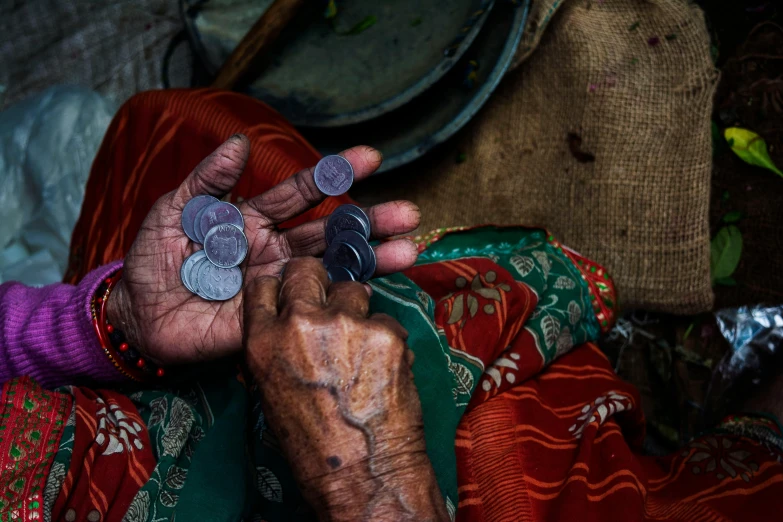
752	332
47	145
755	337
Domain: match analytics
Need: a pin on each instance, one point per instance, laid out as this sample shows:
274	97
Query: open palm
172	325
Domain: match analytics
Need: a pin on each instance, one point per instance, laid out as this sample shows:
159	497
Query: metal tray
432	117
317	75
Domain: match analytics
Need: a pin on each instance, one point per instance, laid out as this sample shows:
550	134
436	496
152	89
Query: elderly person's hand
167	322
338	392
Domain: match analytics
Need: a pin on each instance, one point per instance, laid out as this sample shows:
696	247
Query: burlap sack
603	136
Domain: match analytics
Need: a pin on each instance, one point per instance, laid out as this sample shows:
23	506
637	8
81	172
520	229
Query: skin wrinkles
362	408
338	391
167	323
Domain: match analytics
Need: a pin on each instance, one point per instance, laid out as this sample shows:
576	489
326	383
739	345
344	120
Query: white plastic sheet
47	145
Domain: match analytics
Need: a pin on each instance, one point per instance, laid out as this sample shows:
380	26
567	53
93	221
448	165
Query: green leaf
726	281
725	252
634	26
416	21
733	216
725	196
363	25
688	331
331	10
751	148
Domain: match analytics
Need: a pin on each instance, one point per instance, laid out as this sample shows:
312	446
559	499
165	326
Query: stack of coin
213	273
349	256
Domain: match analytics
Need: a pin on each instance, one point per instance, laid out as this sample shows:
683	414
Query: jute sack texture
602	135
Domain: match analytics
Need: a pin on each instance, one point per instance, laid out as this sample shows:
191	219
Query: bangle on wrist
124	357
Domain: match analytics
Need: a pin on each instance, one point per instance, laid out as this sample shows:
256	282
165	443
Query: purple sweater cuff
46	333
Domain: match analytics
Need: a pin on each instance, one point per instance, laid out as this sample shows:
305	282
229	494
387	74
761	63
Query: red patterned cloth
565	446
31	423
79	456
111	458
558	436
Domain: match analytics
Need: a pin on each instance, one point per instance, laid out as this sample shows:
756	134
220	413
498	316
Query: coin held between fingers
333	175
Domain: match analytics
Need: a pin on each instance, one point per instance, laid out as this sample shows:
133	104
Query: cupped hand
171	325
338	391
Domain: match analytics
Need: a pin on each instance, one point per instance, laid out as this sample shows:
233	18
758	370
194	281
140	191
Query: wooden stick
252	47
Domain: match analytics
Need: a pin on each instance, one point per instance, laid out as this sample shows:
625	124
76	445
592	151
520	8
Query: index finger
304	282
259	304
299	192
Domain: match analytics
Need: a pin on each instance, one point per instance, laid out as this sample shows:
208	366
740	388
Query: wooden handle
255	42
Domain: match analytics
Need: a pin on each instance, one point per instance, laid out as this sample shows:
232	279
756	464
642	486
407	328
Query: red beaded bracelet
123	357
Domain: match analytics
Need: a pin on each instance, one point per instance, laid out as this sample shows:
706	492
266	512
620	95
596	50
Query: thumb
217	174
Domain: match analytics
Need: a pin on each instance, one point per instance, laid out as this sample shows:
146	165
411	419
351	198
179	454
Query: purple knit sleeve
46	333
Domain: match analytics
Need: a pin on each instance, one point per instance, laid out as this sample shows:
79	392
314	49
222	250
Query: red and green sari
524	417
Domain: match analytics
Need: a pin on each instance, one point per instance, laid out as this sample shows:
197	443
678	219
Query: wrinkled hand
338	391
170	324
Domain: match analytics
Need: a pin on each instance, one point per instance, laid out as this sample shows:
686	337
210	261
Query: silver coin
342	254
193	276
357	212
366	253
342	221
218	214
187	265
333	175
225	245
219	284
183	278
192	208
339	273
370	266
197	227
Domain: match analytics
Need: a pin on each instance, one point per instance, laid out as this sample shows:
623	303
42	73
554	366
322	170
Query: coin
370	266
333	175
193	276
219	284
219	213
341	221
357	212
184	272
183	277
197	227
192	208
225	245
344	255
366	253
339	273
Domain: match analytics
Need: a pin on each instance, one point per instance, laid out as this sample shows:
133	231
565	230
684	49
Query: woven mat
603	136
